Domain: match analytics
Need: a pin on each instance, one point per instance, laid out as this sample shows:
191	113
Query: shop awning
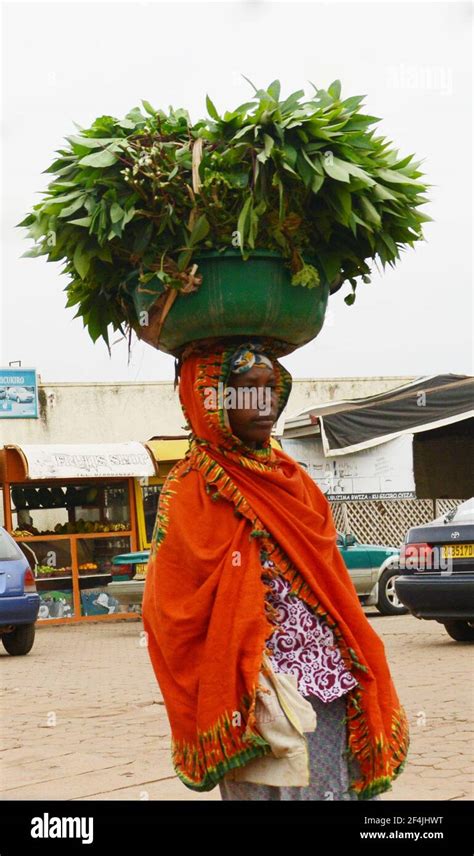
79	460
359	423
168	449
174	448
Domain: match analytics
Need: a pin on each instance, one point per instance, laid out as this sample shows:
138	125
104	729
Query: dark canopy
437	410
348	426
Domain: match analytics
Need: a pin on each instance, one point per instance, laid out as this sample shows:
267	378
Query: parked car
19	394
19	600
436	579
373	569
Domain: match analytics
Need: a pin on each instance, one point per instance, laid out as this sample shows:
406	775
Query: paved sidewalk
83	716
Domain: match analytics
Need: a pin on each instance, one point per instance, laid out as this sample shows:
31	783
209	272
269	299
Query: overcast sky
71	62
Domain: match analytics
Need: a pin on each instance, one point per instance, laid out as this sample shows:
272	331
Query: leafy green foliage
134	199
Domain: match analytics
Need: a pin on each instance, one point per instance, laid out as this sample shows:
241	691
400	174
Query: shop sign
87	460
18	394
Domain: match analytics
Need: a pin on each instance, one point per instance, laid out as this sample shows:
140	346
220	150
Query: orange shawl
222	508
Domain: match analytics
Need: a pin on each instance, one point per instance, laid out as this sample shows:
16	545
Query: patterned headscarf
248	355
216	367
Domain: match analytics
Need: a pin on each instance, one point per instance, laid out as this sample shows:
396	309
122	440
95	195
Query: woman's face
253	413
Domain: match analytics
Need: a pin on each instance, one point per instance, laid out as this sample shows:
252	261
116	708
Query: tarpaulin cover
420	405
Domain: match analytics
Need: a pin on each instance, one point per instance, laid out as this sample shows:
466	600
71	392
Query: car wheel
20	640
461	631
388	602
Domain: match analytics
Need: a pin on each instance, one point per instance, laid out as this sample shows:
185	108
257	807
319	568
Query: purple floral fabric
304	645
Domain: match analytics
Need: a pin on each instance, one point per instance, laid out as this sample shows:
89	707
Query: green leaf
82	221
128	216
243	131
269	143
274	90
242	221
91	142
81	260
343	170
62	198
290	153
116	212
370	212
200	230
314	163
355	220
316	183
34	253
343	197
212	110
29	219
335	170
149	109
335	89
360	123
183	259
99	159
70	209
395	177
350	104
390	243
382	193
95	325
291	102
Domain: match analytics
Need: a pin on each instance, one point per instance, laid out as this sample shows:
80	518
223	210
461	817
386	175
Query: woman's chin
260	435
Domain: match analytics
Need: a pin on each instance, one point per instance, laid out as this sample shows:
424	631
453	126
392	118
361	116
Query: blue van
19	600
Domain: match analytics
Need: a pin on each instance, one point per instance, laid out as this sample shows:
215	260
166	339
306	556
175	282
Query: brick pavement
83	717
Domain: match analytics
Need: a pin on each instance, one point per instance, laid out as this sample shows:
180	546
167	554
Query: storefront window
97	573
87	524
54	509
52	567
94	555
151	495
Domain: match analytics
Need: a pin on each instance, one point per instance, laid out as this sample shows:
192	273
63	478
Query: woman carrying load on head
243	563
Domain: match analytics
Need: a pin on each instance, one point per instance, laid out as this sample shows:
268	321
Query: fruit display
87	527
48	571
88	566
80	527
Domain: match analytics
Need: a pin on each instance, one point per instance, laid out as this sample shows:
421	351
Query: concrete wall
104	412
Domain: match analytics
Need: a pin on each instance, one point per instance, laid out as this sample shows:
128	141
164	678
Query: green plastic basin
241	298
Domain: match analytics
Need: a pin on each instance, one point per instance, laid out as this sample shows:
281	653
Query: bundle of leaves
133	200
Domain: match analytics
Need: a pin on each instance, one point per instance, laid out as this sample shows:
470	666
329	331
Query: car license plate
457	551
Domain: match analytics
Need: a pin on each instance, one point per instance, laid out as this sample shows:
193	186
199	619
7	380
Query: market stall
166	451
71	508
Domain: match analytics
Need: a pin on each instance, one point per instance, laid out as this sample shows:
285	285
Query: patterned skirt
331	765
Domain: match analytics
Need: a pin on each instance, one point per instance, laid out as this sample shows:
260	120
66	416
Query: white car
19	394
